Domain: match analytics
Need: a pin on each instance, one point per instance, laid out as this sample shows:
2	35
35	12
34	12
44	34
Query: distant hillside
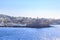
9	20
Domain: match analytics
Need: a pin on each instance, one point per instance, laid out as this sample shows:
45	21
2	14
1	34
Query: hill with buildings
10	21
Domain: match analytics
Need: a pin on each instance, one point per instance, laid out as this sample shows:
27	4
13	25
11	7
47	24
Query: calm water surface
52	33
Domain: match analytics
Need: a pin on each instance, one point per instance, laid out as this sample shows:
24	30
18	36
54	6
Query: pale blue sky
31	8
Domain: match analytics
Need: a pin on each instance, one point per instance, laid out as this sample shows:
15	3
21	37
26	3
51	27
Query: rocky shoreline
27	26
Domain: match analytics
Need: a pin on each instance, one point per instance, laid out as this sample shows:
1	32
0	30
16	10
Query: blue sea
51	33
